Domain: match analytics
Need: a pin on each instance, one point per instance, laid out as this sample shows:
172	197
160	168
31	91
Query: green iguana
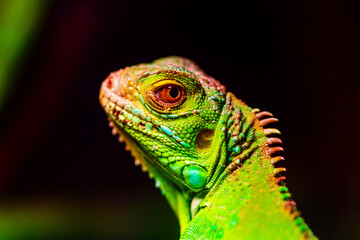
210	154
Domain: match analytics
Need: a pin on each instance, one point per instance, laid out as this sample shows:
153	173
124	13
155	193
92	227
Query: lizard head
187	131
168	113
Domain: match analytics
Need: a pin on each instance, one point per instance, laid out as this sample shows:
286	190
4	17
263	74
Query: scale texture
210	154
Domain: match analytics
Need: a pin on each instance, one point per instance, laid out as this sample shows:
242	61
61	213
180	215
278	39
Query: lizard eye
165	96
169	94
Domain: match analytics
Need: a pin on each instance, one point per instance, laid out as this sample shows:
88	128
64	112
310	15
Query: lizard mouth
116	84
116	100
124	116
112	90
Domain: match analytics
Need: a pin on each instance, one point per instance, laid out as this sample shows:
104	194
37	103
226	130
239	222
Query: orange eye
169	94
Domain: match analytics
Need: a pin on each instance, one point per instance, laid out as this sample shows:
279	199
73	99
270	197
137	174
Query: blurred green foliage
109	218
19	20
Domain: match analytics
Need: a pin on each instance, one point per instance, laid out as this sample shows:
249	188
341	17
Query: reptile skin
210	154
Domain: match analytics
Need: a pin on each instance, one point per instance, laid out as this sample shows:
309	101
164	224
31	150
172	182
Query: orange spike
274	140
127	148
263	114
279	170
276	159
266	121
279	179
272	150
255	110
268	131
113	131
137	162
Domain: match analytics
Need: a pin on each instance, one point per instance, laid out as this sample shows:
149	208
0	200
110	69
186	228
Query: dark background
64	176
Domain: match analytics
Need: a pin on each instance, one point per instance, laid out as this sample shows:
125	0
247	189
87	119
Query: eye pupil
169	95
174	92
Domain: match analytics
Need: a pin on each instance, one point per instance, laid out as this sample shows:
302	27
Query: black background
296	59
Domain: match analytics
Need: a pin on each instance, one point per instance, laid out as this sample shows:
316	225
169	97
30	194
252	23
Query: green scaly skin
210	154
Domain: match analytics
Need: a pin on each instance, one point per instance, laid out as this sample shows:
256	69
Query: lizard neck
249	189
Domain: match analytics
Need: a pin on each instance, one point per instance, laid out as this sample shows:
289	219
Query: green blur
19	20
103	218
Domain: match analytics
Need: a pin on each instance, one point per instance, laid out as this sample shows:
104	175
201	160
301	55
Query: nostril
109	83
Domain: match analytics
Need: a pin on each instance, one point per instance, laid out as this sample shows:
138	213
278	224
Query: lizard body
211	155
